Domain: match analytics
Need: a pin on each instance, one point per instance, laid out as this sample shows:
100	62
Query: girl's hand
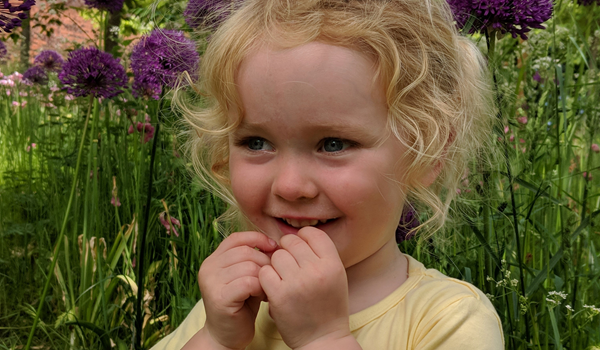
230	288
307	288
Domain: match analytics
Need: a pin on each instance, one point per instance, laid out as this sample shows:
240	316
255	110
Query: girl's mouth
298	224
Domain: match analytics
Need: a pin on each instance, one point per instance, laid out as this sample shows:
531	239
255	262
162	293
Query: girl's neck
376	277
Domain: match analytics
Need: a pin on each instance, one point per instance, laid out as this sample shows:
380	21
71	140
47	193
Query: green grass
532	245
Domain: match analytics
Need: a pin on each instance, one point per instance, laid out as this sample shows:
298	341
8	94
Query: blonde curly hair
435	81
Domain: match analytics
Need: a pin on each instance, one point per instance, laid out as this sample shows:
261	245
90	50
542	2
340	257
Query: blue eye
258	144
333	145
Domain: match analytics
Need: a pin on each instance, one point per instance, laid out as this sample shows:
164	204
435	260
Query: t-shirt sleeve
190	326
465	324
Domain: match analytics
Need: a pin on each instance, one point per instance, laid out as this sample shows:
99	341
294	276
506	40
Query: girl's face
309	150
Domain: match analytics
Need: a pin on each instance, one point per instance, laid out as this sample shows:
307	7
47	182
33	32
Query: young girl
324	119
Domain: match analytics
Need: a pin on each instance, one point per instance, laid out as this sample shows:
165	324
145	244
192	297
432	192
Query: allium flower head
11	14
514	16
36	75
408	222
3	51
109	5
207	12
91	71
50	60
158	59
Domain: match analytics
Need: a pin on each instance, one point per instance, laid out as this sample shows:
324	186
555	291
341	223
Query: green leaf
104	338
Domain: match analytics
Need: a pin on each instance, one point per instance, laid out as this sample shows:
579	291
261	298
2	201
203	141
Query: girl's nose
294	180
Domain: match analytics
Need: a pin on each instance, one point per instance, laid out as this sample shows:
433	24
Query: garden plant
103	227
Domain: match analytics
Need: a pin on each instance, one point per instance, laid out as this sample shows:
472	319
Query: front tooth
299	224
293	222
323	221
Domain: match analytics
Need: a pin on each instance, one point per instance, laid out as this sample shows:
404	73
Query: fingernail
272	242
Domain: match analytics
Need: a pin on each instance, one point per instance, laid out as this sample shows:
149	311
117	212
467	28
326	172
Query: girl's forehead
311	71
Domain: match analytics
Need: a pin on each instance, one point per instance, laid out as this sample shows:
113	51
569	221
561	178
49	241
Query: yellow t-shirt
428	311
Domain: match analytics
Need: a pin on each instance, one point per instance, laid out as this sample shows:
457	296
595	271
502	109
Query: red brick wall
74	29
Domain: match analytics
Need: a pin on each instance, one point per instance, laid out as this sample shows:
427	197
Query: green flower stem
491	43
62	230
141	248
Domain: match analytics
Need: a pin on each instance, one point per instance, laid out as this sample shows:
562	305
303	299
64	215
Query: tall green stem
62	230
491	43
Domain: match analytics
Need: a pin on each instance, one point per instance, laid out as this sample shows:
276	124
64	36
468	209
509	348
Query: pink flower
33	145
522	120
16	76
23	103
115	201
147	118
169	226
54	89
506	129
595	148
587	176
130	130
15	103
7	82
69	97
147	129
522	140
7	92
118	112
524	149
23	93
511	138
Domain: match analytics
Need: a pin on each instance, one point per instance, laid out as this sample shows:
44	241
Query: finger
299	249
319	242
285	265
269	280
244	268
248	238
241	289
242	253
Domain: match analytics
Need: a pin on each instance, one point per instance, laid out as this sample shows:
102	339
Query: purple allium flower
514	16
91	71
11	15
3	50
408	222
36	75
207	12
50	60
537	77
158	59
109	5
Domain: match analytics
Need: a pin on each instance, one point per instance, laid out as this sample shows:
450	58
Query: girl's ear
430	176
